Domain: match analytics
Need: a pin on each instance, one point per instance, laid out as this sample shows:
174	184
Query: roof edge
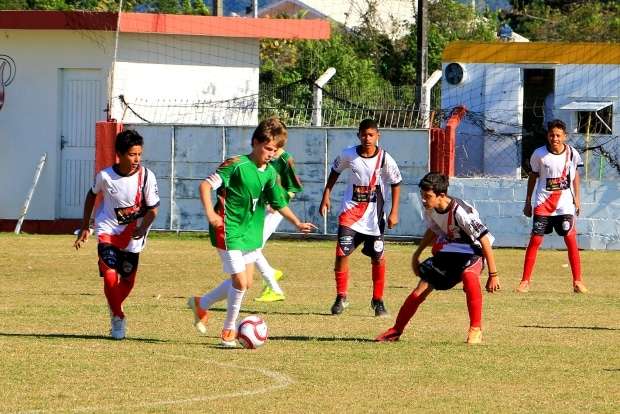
171	24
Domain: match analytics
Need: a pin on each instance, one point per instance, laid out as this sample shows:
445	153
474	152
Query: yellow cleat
269	295
579	287
524	287
474	336
278	275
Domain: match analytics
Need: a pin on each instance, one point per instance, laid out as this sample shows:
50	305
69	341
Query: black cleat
379	308
339	305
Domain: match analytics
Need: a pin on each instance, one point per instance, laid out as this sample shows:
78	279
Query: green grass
549	351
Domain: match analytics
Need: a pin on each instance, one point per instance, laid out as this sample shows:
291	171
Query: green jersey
242	191
287	178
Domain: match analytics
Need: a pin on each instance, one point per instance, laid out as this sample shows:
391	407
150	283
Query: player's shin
473	294
378	279
573	255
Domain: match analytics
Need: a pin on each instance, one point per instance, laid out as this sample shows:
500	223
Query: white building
57	72
508	86
392	16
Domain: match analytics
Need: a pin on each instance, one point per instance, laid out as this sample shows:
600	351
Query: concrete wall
500	203
30	120
197	151
152	70
163	76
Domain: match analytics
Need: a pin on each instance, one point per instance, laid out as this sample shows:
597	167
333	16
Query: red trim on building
62	226
172	24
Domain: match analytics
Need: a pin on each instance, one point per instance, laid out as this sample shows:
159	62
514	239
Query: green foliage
568	21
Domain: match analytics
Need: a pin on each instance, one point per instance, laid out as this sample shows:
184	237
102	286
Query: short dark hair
556	123
368	124
127	139
435	182
271	129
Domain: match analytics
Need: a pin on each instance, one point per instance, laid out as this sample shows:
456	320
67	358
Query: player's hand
392	220
138	233
82	238
527	210
577	209
306	227
216	221
324	207
492	284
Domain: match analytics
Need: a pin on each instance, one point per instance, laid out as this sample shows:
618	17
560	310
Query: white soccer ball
252	332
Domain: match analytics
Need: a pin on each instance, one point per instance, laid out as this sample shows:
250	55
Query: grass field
549	351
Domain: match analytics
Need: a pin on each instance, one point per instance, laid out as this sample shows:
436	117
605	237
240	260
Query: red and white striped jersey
458	229
125	200
363	203
554	192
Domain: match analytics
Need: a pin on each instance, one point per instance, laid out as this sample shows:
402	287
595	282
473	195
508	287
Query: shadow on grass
76	336
318	338
591	328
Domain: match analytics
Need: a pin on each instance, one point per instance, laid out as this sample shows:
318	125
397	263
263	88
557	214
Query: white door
82	105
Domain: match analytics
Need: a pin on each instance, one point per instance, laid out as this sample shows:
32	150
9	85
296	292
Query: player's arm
147	220
325	201
492	284
427	240
213	218
89	205
393	217
531	184
288	214
577	191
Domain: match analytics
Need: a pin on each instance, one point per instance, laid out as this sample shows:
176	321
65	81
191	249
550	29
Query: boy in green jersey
244	185
289	181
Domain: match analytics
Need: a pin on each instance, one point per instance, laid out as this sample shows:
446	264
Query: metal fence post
317	96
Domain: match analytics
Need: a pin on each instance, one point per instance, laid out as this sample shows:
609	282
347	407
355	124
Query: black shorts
562	224
125	263
444	270
349	239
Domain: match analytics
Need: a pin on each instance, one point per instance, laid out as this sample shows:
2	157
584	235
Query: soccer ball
252	332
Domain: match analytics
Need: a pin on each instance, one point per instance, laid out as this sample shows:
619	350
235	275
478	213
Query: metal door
82	105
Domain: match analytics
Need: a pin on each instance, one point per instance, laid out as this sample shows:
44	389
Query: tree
568	21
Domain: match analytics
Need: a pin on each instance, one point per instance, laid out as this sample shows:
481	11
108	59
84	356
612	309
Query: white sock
267	272
216	294
235	297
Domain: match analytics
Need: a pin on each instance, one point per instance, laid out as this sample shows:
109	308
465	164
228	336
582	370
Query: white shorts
234	261
272	221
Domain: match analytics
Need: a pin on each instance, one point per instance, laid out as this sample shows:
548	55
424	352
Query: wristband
492	274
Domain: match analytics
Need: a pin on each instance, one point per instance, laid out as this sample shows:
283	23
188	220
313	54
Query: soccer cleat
579	287
474	336
118	326
201	316
379	308
228	338
523	287
278	275
391	335
269	295
340	304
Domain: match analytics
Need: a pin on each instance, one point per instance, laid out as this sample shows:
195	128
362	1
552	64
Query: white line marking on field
281	381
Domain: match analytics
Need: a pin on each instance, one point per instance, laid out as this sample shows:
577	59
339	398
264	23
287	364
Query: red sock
111	288
408	309
342	281
573	255
530	256
473	294
378	279
126	285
